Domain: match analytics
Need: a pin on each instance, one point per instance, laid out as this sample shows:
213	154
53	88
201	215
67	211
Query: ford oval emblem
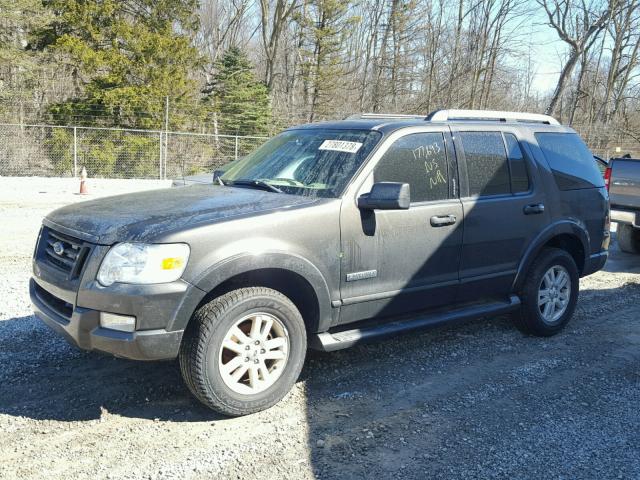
58	248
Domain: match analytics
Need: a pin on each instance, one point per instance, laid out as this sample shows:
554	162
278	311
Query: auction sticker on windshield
340	146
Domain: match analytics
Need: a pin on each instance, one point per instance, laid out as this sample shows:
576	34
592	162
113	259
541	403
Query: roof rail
445	115
394	116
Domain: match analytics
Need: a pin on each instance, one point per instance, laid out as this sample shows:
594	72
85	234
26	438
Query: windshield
313	162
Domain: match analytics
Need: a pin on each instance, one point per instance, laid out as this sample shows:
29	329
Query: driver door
398	261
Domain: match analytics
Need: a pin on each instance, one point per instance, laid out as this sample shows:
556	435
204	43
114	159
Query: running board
337	340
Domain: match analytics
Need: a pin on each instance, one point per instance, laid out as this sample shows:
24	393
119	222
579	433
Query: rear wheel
628	238
243	351
549	294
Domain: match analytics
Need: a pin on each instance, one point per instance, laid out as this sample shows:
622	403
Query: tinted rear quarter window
570	160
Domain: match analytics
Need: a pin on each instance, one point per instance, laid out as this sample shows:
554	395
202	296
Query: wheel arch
293	276
567	235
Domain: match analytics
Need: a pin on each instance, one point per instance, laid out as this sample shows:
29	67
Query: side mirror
217	174
386	196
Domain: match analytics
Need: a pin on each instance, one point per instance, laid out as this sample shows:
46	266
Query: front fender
562	227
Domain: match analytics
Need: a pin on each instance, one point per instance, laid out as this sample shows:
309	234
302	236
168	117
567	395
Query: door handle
442	220
534	209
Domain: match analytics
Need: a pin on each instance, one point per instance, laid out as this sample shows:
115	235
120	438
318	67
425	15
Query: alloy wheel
554	293
254	353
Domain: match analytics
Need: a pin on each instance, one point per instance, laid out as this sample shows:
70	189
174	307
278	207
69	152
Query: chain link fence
45	150
608	142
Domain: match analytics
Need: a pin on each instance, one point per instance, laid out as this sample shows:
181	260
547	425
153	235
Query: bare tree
578	24
222	24
623	29
328	58
272	26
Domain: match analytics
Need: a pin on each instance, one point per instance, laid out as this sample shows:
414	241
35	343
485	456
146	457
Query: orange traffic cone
84	190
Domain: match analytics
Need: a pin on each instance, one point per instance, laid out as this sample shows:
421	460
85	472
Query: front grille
63	251
56	304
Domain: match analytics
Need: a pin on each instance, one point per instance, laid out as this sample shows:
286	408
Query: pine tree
327	24
240	101
129	55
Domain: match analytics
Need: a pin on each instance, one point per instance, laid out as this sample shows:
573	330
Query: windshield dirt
313	162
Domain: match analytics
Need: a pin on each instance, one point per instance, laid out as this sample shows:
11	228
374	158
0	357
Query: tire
628	238
266	371
561	302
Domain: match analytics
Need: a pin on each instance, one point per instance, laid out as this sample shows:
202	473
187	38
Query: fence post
166	154
166	135
75	151
160	163
236	147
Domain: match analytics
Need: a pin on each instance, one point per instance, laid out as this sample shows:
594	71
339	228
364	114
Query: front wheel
243	351
549	294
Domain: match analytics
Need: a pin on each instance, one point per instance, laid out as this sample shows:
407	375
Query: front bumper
81	327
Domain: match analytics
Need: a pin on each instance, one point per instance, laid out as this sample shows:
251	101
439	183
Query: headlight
143	264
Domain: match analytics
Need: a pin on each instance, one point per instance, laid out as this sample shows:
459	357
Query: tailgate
624	190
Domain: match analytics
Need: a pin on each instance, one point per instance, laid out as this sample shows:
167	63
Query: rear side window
487	166
419	159
519	175
570	160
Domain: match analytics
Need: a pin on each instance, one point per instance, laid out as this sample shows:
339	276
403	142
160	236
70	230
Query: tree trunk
576	97
565	74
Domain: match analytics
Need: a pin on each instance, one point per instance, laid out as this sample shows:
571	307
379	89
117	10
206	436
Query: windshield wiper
260	184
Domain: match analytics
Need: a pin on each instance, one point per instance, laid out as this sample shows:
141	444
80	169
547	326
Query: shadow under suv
329	235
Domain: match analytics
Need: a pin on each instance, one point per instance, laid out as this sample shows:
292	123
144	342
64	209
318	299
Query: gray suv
330	235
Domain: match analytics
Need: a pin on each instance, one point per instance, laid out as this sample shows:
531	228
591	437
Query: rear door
503	207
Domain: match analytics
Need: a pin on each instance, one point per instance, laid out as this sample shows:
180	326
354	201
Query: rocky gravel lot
474	401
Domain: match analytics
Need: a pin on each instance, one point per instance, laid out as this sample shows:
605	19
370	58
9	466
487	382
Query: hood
144	216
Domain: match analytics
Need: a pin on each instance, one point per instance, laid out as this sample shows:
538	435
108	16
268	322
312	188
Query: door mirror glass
386	196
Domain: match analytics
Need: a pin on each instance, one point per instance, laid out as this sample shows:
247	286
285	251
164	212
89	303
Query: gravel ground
475	401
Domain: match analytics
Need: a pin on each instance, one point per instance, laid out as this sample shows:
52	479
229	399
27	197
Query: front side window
314	162
487	167
419	159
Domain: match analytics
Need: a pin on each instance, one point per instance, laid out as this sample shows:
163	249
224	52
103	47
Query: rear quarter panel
586	208
589	208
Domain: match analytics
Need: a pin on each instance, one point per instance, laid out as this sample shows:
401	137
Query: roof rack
393	116
495	115
448	115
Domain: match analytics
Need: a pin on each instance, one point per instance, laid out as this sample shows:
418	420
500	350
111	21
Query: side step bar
337	340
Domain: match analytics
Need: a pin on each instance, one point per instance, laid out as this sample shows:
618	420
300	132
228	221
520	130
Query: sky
547	50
